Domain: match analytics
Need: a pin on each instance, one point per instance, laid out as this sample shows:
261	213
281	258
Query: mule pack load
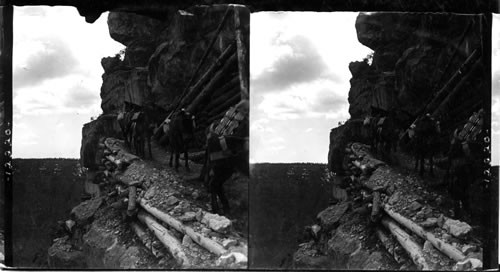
224	137
472	128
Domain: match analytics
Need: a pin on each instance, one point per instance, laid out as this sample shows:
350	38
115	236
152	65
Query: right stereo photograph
371	141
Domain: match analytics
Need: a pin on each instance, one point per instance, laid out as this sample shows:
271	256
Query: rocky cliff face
162	60
414	57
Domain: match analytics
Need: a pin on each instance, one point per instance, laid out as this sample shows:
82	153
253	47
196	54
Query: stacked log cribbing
165	227
361	164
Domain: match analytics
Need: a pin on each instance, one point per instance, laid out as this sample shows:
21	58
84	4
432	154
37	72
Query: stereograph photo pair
370	151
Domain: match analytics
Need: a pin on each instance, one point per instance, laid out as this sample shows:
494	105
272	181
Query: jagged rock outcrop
113	90
93	134
127	28
173	63
414	56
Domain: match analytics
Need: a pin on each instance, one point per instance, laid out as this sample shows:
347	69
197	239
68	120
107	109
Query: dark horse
124	119
425	133
179	130
383	132
370	124
226	152
141	133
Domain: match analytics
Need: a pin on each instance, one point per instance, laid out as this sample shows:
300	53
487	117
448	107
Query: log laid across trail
412	248
173	245
442	246
201	240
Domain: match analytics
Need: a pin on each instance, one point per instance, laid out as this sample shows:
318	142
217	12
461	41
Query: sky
299	80
57	79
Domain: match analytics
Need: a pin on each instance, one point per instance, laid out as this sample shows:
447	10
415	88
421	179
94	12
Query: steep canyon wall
415	55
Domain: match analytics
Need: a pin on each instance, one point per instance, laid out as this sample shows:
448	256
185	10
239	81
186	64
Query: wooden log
195	89
227	83
441	94
132	195
173	245
209	87
231	101
376	207
215	101
228	90
444	106
442	246
412	248
209	48
390	246
205	242
242	52
216	117
145	239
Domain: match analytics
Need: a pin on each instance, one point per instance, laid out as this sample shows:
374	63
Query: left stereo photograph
130	137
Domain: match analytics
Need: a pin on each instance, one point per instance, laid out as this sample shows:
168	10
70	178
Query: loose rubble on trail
349	233
108	235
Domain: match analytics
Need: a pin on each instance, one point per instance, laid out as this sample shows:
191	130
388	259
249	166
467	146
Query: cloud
301	65
321	98
81	97
326	101
31	11
53	59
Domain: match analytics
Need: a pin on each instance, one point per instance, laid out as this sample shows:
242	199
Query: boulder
227	243
127	27
187	217
308	258
468	264
62	255
83	213
375	261
171	201
233	260
395	198
414	206
216	222
429	222
187	241
341	245
330	217
103	249
457	228
150	193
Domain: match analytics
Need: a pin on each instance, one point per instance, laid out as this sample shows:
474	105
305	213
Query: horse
386	134
370	123
425	133
179	130
226	152
141	133
124	119
382	133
